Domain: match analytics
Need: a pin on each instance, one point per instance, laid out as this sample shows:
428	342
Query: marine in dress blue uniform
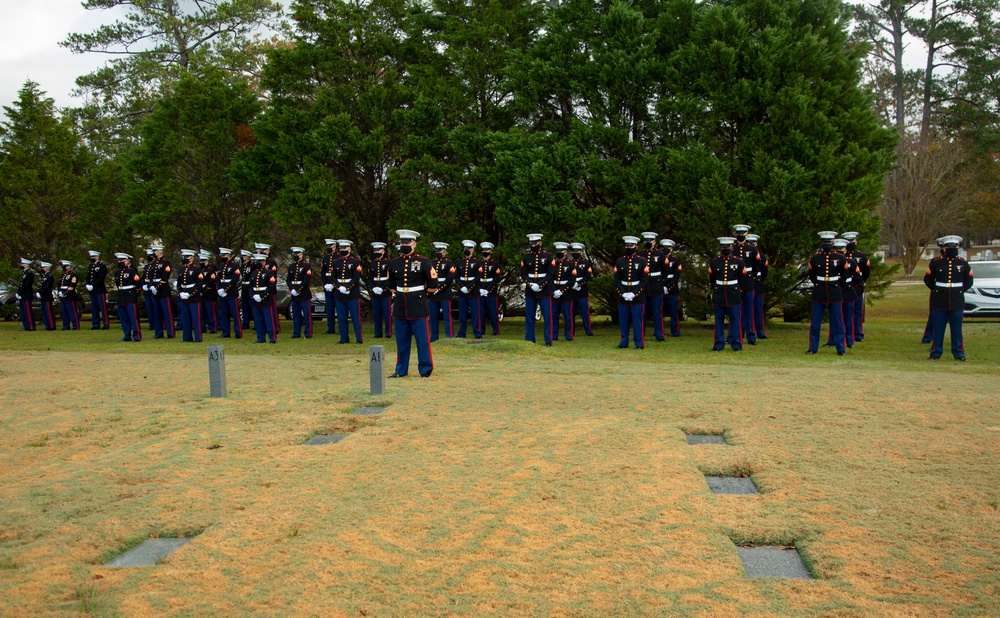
631	276
189	285
299	275
672	270
827	269
489	290
68	297
271	266
727	276
44	295
263	289
439	300
468	272
865	266
948	278
209	294
410	277
128	282
349	274
97	287
25	294
581	288
328	277
654	286
228	287
848	293
160	284
562	291
747	252
759	276
377	277
148	292
537	272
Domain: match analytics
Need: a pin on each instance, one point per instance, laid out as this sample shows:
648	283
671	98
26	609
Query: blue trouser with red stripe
489	310
209	316
746	314
331	312
654	309
581	307
735	338
564	309
128	316
859	318
530	306
381	315
70	317
468	310
191	321
302	319
152	309
350	308
953	319
758	314
416	329
632	316
164	317
228	309
99	310
673	305
441	311
263	323
48	316
836	325
27	317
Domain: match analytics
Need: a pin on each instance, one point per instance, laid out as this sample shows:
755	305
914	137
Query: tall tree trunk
928	82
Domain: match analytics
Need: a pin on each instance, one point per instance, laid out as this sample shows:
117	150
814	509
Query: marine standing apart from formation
96	284
410	278
229	284
631	276
672	270
189	285
378	276
727	276
439	300
948	278
299	274
489	290
537	273
826	271
562	291
68	297
654	284
44	295
468	272
581	288
25	293
128	282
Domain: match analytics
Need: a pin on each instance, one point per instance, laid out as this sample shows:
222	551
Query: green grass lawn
518	480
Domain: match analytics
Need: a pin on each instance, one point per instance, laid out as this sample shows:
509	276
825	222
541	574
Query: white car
983	298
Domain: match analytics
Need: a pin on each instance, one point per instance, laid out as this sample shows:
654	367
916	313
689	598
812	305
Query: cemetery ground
517	480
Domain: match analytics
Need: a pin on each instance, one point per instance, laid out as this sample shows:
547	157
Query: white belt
849	279
296	283
189	285
263	289
656	274
127	287
466	278
734	282
226	280
949	285
487	280
381	278
537	276
562	282
344	280
670	276
837	278
442	279
631	282
416	288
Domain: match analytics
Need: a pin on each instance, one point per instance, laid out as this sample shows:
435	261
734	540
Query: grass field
518	480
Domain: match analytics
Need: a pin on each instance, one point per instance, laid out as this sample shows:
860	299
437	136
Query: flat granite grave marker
376	365
731	485
217	370
766	561
150	552
329	439
369	411
698	438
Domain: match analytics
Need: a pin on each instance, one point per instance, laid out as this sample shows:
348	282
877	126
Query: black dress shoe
622	347
124	339
841	353
426	375
549	345
933	357
396	375
962	359
762	336
810	351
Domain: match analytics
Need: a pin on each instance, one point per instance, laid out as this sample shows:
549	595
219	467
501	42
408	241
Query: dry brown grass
505	485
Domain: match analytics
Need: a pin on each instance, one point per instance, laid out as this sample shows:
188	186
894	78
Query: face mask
536	248
741	237
405	250
468	252
560	255
487	254
344	252
727	251
826	247
666	251
378	255
93	259
577	256
329	249
851	246
648	244
121	264
951	252
438	254
298	257
629	250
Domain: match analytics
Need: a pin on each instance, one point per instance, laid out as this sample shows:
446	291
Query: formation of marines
224	295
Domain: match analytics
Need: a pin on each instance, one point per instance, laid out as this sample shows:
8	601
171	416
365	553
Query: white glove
17	296
60	294
38	295
535	287
464	290
484	292
556	294
222	293
185	296
89	287
256	297
294	292
628	296
666	289
576	286
342	290
377	290
328	287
